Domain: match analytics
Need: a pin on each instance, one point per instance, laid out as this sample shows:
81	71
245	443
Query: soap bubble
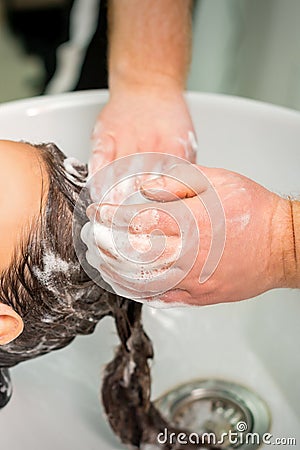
129	250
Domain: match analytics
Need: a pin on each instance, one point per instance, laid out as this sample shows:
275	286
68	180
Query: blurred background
249	48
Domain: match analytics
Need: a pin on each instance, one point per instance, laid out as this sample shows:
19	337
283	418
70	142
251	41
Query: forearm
150	42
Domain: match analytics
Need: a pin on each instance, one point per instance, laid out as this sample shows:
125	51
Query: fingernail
149	192
155	183
155	194
158	190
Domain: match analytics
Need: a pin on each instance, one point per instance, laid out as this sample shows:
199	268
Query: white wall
249	48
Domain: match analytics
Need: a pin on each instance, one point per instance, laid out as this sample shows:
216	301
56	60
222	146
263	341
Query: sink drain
236	416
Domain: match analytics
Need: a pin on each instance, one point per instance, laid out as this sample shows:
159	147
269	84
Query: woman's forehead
23	179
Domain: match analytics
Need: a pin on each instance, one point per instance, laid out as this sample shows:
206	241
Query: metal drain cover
219	407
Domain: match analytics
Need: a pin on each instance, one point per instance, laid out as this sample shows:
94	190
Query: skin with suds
258	253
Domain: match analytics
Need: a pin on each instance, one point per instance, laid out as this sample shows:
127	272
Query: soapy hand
143	120
225	244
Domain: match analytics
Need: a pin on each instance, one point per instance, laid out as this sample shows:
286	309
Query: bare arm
149	53
150	42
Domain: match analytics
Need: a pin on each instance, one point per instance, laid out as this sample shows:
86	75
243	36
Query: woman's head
45	296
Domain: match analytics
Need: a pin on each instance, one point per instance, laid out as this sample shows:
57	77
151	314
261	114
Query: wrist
125	78
285	222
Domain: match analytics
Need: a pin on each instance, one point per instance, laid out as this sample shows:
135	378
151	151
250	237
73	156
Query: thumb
179	181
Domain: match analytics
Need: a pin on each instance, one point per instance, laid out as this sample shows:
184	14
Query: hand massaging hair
56	299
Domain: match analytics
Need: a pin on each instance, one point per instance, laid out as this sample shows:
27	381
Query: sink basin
255	343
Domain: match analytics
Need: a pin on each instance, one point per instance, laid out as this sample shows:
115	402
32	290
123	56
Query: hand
258	251
143	119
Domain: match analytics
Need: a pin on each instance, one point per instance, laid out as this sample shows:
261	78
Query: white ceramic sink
56	404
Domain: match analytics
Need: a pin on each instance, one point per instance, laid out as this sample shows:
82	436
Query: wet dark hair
45	284
48	288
